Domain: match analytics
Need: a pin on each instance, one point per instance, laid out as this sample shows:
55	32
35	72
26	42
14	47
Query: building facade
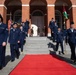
39	12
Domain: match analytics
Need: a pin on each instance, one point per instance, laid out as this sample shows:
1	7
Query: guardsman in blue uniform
22	38
3	40
14	40
26	27
55	30
51	25
23	25
71	35
60	38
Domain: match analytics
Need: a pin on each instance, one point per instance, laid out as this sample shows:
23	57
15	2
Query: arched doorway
62	22
37	14
17	16
37	18
14	10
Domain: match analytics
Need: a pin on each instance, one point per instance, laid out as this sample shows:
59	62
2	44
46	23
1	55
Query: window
58	18
17	16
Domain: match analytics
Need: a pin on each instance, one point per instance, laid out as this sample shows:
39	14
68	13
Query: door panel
39	22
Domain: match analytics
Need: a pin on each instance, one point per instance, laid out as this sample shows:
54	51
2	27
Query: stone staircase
39	45
36	45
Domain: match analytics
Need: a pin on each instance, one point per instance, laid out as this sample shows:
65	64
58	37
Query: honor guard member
51	25
14	40
22	38
23	25
60	38
55	30
26	27
3	40
71	36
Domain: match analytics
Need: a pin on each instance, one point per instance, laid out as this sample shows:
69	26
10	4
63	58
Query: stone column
3	12
26	14
50	15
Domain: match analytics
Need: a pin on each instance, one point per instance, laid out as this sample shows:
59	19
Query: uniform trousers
14	51
61	44
72	47
2	55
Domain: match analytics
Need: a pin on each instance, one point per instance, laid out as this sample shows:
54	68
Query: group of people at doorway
67	35
16	38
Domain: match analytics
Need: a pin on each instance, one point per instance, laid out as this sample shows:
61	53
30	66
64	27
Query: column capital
73	6
50	5
1	5
27	5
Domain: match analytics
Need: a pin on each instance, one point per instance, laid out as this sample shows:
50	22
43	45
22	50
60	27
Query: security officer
14	40
22	38
51	25
71	35
3	40
55	30
60	38
23	25
26	27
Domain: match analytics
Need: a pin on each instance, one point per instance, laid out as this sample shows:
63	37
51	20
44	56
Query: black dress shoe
1	67
59	53
12	60
18	57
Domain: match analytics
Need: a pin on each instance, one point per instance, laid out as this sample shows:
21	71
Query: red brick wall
74	15
3	13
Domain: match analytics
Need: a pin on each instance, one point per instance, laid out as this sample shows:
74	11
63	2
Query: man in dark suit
3	40
22	38
14	40
60	38
26	27
51	25
55	30
71	35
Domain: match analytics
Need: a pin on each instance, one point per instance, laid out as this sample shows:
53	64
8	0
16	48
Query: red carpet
43	65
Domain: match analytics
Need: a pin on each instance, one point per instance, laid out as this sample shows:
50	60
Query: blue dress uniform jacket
26	27
3	38
55	28
59	39
22	37
14	36
51	25
60	36
13	40
71	34
3	33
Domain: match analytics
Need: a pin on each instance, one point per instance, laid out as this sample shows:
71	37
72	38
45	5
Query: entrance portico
38	12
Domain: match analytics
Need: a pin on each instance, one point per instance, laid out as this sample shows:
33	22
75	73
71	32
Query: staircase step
36	52
36	38
36	46
36	49
36	42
